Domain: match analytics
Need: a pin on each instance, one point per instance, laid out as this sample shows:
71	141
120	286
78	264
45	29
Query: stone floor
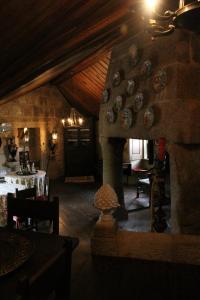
78	217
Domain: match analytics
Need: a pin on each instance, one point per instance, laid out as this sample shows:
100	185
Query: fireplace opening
146	171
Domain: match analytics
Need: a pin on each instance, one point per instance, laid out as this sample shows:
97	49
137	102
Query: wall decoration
159	80
138	102
117	77
131	86
133	55
105	95
111	116
149	117
118	103
146	69
126	118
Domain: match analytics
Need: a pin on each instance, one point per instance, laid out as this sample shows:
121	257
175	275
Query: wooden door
79	145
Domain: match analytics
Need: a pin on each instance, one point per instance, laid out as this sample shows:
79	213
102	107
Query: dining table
36	178
23	253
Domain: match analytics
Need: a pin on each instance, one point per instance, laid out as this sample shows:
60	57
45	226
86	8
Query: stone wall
162	100
167	73
43	108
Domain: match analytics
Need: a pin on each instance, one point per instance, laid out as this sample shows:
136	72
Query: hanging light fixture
187	16
74	119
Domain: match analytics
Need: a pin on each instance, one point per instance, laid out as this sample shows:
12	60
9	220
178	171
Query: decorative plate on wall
117	77
105	95
146	69
118	103
111	116
131	85
149	117
138	102
134	55
159	80
126	118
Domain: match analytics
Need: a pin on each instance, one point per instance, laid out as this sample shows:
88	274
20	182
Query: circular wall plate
116	80
159	80
133	55
138	101
126	118
131	85
111	116
105	96
146	69
149	117
118	103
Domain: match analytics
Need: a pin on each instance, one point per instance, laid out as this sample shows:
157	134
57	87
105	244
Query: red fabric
139	170
161	149
43	198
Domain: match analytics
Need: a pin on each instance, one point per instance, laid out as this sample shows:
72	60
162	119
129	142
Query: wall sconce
53	142
187	16
26	135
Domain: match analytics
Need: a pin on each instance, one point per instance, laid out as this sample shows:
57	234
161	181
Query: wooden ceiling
65	42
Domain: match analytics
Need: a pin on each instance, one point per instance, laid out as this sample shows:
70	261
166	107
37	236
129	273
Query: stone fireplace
152	91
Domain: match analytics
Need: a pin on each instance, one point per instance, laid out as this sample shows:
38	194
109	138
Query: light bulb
80	121
54	135
70	121
151	5
25	129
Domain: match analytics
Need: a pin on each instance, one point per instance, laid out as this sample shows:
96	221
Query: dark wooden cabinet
79	145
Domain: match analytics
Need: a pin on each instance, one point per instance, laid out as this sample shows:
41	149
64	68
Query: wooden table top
45	247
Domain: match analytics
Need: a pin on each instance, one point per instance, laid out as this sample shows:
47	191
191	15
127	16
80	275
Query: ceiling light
187	16
73	120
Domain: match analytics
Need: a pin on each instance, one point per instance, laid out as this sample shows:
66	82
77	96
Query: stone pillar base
104	241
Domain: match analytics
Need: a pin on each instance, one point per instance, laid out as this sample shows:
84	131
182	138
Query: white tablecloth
28	181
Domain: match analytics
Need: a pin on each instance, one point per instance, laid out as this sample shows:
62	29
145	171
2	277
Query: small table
45	248
28	181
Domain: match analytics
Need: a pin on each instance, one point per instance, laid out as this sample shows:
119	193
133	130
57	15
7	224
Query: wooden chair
35	209
29	193
54	276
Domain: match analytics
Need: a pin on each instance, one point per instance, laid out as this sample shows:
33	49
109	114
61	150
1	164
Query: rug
79	179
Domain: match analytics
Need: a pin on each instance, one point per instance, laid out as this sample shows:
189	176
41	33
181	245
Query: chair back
47	188
34	209
53	276
29	193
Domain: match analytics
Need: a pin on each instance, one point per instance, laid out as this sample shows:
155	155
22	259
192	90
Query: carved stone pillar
112	152
185	188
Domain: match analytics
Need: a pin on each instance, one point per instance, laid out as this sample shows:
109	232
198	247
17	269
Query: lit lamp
187	16
53	141
74	119
26	135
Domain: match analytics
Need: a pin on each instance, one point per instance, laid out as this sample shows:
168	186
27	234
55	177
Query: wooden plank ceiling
65	42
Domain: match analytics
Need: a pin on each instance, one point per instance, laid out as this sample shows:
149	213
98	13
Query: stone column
112	153
185	188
